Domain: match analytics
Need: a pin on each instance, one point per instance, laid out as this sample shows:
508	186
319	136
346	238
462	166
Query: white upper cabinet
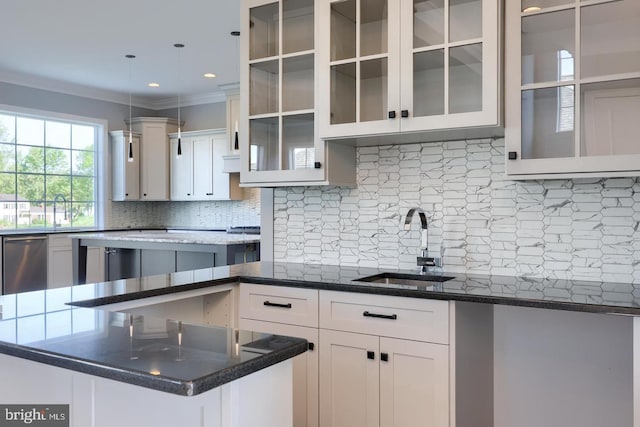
388	67
279	139
154	155
197	174
125	161
573	88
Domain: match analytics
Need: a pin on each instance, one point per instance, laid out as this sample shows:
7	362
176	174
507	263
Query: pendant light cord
130	150
179	46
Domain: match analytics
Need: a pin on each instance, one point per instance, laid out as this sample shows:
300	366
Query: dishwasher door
25	264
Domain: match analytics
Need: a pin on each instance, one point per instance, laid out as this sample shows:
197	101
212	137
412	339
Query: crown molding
82	91
73	89
187	100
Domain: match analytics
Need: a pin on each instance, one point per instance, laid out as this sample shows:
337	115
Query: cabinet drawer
279	304
389	316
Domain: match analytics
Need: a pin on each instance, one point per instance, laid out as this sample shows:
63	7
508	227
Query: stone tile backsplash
214	214
479	221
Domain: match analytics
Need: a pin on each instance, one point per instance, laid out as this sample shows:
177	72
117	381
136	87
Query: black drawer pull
384	357
380	316
312	346
371	355
275	304
404	113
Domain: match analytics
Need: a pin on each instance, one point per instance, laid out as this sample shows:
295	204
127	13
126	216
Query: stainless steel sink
422	280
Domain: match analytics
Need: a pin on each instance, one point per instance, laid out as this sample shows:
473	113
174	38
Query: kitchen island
114	368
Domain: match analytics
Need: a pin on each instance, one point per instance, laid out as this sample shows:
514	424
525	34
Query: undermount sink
405	279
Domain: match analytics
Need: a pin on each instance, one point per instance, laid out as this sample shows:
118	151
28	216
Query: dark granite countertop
59	327
585	296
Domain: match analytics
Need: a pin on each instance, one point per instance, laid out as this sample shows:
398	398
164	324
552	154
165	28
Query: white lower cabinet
376	381
378	360
370	380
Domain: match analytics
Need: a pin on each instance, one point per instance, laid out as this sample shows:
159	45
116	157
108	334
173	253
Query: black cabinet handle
317	165
126	194
380	316
384	357
144	194
392	114
371	355
188	194
274	304
312	346
513	155
209	194
404	113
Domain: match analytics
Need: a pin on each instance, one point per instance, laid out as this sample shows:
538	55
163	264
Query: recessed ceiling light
531	9
209	75
154	85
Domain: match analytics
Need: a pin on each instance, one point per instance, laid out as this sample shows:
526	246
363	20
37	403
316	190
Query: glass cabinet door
361	67
282	137
579	84
449	63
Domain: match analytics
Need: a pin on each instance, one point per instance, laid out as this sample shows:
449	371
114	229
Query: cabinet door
202	167
95	265
278	93
125	169
359	67
59	260
182	170
155	162
450	66
305	369
220	179
573	88
349	379
414	384
132	170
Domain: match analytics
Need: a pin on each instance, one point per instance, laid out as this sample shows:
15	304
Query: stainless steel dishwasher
24	260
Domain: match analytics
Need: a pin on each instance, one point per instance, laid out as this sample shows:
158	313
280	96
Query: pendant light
130	155
179	154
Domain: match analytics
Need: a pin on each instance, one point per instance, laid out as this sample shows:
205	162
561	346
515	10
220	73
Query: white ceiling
79	46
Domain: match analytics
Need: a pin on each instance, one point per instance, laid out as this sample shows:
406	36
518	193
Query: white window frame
103	208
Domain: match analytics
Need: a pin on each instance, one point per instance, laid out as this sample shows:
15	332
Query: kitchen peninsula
452	315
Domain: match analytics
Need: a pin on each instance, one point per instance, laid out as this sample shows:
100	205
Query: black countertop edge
224	376
113	299
158	382
362	288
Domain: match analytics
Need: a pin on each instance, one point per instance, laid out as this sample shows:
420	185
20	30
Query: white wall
568	229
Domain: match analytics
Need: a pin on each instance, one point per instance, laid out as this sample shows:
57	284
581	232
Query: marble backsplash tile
479	221
214	214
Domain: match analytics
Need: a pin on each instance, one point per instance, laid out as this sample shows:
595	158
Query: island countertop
172	237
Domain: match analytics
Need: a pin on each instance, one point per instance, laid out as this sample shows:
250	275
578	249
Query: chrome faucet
423	261
55	205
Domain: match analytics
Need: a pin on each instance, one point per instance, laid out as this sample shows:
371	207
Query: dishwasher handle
23	239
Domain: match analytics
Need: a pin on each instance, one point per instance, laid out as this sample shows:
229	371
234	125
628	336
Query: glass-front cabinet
279	131
573	87
410	65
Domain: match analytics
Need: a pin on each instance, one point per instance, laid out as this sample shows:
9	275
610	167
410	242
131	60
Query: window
564	121
48	170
